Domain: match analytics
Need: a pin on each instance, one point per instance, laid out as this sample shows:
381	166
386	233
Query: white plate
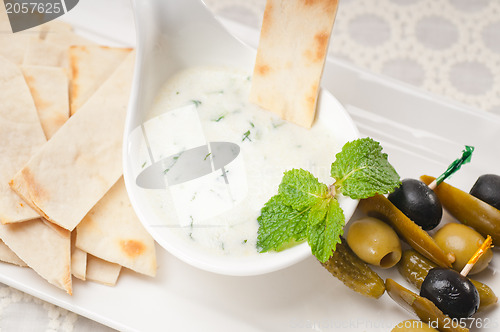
420	132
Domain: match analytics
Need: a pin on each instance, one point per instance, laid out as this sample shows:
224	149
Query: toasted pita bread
20	135
78	259
290	58
90	67
42	248
13	46
79	263
112	231
103	272
42	53
49	89
65	38
8	256
73	171
54	26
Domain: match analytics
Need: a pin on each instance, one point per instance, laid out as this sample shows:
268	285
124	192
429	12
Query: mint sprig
361	170
306	209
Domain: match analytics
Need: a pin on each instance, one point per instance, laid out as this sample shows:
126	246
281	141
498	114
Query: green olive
413	325
463	242
374	242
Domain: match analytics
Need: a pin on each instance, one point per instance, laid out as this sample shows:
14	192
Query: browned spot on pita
31	81
59	120
40	102
321	40
35	190
73	88
262	70
67	284
310	2
267	21
311	97
318	51
328	4
132	248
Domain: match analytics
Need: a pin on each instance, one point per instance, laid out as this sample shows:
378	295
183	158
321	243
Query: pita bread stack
60	175
290	58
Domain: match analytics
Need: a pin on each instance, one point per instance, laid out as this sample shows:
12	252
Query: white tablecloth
448	47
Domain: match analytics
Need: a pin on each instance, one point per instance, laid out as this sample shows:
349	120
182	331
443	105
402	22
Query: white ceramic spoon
173	35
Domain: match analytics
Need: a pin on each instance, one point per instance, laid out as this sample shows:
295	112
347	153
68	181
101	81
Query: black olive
452	293
418	202
487	189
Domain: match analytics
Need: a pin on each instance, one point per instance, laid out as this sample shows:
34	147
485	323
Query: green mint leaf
361	170
280	224
324	236
301	190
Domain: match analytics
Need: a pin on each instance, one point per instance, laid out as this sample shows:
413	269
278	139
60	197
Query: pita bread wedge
65	38
20	135
290	58
103	272
79	264
54	26
42	248
42	53
78	259
90	67
8	256
13	46
49	89
112	231
78	165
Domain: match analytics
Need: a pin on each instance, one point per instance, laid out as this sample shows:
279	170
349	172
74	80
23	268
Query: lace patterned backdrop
448	47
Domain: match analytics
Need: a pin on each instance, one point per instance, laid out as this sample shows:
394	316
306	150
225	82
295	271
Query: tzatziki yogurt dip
200	106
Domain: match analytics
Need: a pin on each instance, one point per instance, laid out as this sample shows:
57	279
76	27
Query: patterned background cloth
447	47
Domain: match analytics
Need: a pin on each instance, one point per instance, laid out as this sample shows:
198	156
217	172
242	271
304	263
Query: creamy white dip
268	147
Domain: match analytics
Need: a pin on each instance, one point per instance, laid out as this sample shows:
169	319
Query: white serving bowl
175	35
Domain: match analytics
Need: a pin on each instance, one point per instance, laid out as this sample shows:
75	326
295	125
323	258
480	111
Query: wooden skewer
487	244
433	185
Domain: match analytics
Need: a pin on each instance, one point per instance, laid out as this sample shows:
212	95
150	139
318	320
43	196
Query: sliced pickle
414	268
468	209
380	207
422	307
353	272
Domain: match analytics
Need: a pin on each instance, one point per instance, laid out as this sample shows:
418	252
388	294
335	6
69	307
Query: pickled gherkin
353	272
422	307
414	268
468	209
